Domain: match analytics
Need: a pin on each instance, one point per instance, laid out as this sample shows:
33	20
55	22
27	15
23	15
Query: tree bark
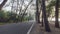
47	28
37	13
2	4
57	14
42	20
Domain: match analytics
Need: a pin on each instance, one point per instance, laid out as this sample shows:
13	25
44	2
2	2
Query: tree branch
26	9
2	4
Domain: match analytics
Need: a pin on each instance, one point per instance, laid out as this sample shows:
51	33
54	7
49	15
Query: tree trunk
56	14
42	20
2	4
37	13
47	28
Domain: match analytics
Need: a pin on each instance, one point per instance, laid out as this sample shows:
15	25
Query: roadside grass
1	23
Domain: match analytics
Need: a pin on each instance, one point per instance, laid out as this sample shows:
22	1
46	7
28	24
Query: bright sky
6	7
9	8
1	1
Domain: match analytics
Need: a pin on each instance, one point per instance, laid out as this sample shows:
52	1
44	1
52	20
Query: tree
2	4
37	13
50	9
25	10
47	28
42	20
17	7
56	14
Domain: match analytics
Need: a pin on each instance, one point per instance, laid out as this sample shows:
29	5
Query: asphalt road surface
16	28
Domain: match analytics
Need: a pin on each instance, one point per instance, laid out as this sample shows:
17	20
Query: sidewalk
36	29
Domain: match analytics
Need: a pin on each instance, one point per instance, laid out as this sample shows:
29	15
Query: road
15	28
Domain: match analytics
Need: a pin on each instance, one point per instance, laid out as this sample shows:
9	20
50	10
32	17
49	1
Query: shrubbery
8	16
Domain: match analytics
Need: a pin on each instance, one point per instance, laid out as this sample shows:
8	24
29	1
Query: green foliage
2	14
52	3
50	8
7	16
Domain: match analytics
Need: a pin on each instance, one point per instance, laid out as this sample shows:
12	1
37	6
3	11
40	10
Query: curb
30	28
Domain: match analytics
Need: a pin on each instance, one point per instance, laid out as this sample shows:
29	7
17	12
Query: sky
1	1
7	8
